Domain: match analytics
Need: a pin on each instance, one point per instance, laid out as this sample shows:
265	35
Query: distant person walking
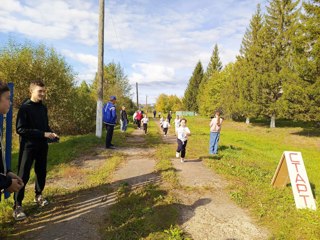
110	120
182	138
154	114
123	119
215	128
169	117
145	121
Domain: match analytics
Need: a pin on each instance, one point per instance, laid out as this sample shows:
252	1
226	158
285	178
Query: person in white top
215	128
182	138
165	126
161	122
145	121
176	123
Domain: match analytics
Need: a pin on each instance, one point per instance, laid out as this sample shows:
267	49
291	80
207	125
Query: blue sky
158	42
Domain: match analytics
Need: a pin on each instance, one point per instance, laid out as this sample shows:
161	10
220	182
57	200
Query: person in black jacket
123	119
33	127
8	180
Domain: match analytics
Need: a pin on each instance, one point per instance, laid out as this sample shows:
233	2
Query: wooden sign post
291	169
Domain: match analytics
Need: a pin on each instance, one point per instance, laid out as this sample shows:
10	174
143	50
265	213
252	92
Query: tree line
71	105
276	73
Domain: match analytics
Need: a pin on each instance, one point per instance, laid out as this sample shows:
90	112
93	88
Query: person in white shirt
215	128
161	122
176	123
144	122
165	126
182	138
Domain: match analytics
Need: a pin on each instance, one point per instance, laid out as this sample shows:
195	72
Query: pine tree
215	65
281	21
191	93
249	68
302	97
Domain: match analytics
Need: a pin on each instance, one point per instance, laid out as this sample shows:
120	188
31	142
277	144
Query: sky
157	42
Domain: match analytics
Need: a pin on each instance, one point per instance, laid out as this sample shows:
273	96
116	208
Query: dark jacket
32	121
123	115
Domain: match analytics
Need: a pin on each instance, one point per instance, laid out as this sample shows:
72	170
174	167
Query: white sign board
291	167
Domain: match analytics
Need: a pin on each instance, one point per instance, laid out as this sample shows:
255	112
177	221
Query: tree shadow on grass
308	132
126	209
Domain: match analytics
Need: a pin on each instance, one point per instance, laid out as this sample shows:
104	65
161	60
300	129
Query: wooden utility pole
100	69
146	103
137	92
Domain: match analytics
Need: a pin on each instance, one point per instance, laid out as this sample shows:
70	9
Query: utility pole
100	69
137	92
146	103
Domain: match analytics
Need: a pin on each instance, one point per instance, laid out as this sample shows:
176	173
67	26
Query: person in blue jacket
110	120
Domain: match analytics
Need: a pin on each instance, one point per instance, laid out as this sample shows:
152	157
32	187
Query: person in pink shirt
215	128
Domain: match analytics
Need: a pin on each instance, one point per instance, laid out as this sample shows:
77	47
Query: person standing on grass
176	123
169	117
8	180
154	114
33	128
182	138
123	119
145	121
215	128
110	120
165	126
138	118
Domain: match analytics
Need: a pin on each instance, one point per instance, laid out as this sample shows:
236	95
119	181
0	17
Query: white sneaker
41	201
182	160
18	214
177	154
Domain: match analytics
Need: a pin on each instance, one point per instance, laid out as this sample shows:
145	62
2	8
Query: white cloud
146	73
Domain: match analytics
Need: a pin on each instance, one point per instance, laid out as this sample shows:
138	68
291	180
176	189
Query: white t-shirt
182	133
177	123
145	120
214	127
165	124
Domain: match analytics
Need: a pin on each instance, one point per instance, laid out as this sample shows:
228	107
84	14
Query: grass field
248	157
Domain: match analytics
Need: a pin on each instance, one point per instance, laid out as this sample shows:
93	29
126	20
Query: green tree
213	98
22	63
302	96
191	94
281	26
115	83
248	68
214	66
166	103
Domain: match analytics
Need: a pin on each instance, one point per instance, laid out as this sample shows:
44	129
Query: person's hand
49	135
14	176
15	186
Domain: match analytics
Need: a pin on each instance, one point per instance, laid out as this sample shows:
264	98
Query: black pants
145	128
165	130
109	135
29	153
139	123
182	147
